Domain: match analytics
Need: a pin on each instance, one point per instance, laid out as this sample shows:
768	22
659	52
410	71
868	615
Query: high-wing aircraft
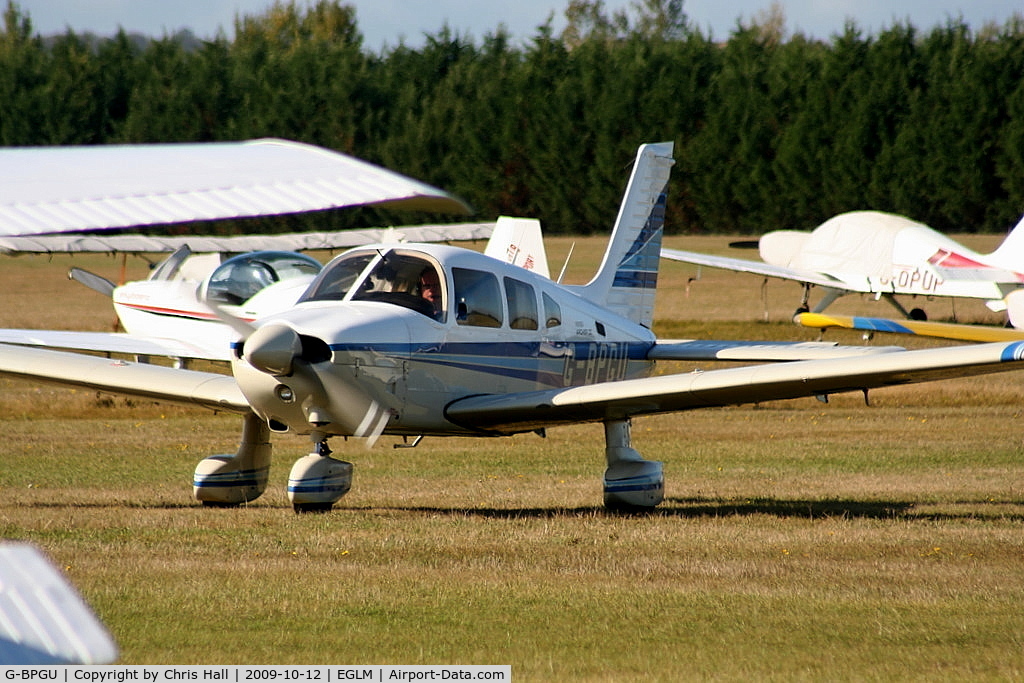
881	254
70	189
59	189
418	340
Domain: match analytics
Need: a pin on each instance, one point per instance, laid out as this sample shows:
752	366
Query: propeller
328	394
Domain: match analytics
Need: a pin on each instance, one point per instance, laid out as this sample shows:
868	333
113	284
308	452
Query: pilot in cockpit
430	288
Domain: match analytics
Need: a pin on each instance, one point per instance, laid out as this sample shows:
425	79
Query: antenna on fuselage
566	264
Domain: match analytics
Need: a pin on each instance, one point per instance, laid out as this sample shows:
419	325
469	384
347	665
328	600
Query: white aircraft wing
755	267
65	189
763	351
43	619
733	386
206	389
304	241
117	342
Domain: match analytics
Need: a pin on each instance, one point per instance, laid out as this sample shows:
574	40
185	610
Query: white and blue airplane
431	340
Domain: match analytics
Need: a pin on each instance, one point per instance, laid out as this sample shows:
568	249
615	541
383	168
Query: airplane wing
755	267
732	386
143	380
65	189
43	619
763	351
976	333
305	241
118	342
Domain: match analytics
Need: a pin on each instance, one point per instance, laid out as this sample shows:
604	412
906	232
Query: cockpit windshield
405	279
240	278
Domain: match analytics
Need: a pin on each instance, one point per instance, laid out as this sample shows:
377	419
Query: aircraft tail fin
628	276
1010	254
519	241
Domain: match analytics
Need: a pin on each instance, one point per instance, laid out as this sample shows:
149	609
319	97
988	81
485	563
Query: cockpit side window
552	312
477	298
522	305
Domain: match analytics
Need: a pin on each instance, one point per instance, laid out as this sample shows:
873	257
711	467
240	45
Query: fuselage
871	251
366	332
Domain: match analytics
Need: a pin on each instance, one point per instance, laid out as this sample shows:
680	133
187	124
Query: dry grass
798	540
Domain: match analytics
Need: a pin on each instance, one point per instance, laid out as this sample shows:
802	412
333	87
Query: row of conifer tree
771	130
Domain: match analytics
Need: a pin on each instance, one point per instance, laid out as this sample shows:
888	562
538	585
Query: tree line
771	130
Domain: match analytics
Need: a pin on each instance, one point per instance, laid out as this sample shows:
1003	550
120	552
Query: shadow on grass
682	508
695	508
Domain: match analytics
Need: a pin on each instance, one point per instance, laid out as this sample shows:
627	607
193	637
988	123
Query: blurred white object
43	619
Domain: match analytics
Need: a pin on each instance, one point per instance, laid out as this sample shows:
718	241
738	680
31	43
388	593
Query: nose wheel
318	481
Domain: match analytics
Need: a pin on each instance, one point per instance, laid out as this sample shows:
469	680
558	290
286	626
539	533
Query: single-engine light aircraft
881	254
421	340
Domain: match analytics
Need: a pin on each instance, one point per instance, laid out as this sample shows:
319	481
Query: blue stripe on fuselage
541	362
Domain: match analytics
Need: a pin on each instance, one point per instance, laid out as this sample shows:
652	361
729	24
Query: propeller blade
350	406
95	282
243	327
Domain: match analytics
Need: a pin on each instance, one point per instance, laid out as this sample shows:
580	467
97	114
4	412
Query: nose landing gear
318	481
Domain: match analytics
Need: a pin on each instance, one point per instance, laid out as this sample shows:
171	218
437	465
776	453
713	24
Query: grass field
798	541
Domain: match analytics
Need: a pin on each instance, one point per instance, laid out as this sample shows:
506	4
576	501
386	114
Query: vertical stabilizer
519	241
628	276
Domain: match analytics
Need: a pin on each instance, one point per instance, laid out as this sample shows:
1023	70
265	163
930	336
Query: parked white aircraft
881	254
171	308
421	340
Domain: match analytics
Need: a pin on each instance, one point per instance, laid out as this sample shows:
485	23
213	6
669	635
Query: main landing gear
228	480
630	482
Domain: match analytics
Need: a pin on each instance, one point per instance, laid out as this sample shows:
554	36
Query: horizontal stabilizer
747	266
758	351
